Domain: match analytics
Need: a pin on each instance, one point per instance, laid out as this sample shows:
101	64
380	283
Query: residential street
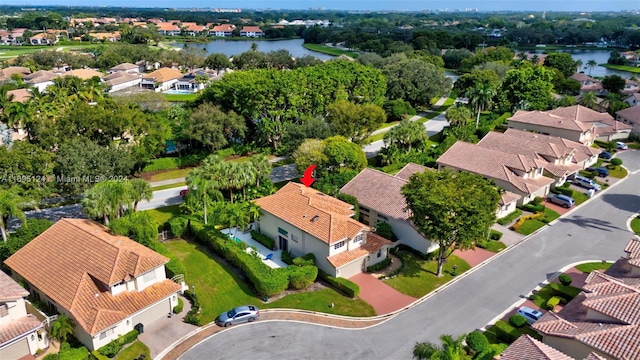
595	231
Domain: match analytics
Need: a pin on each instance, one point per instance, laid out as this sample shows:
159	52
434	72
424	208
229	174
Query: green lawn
163	214
635	225
220	289
7	51
169	186
579	197
587	268
170	174
180	97
376	137
632	69
635	146
618	172
133	351
492	245
550	290
329	50
532	225
418	276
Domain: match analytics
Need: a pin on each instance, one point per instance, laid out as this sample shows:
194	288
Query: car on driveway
561	199
530	314
240	314
621	146
600	171
586	183
605	155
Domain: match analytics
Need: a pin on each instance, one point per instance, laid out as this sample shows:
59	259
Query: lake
600	56
237	47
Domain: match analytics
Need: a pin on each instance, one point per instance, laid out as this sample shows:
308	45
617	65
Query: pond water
600	56
236	47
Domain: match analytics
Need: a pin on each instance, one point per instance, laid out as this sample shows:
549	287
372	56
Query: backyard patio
268	256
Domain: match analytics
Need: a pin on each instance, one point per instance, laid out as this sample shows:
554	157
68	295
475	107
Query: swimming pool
174	91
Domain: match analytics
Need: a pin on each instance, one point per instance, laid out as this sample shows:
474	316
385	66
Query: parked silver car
561	199
238	315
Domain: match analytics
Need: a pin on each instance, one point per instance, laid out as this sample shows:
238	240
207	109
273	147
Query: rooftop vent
315	218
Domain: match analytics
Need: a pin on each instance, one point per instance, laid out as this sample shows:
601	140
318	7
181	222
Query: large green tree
451	209
613	83
561	61
415	81
213	127
10	206
406	136
528	84
354	121
451	349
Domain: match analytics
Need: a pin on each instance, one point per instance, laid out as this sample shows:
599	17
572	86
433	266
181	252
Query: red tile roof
379	191
526	347
633	251
255	29
320	215
631	114
410	169
373	243
581	154
9	289
546	118
14	328
83	259
164	74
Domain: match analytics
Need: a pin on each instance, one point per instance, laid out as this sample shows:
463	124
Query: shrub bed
563	191
510	217
268	242
419	254
168	163
533	208
567	292
522	220
379	266
506	332
517	320
495	235
178	225
178	308
113	348
553	302
302	276
348	287
565	279
193	316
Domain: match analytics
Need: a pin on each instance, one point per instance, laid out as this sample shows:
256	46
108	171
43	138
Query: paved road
594	231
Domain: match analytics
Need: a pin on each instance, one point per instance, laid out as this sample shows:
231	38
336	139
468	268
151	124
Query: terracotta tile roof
167	26
9	289
379	191
508	197
373	243
410	169
580	113
194	27
631	114
84	74
526	347
40	76
581	77
224	28
494	164
8	71
633	251
14	328
581	154
546	118
255	29
544	153
594	356
20	95
120	77
320	215
83	259
39	36
125	67
164	74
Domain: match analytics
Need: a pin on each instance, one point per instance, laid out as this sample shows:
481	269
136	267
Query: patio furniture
268	257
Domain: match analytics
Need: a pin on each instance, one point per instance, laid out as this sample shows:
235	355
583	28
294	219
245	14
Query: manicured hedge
533	208
517	320
178	308
308	259
168	163
268	242
379	266
302	276
521	221
193	316
553	302
495	235
510	217
567	292
565	279
286	257
113	348
564	191
178	225
348	287
477	341
506	332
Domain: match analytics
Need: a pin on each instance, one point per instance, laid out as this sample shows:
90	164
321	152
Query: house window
380	216
379	254
358	238
283	231
105	334
4	310
294	238
364	209
338	245
149	277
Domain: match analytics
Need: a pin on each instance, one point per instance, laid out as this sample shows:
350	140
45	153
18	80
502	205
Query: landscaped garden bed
565	293
530	225
587	268
417	277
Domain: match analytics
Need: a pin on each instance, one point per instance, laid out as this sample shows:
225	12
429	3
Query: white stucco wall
563	133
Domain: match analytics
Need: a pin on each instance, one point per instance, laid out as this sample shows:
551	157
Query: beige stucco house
630	116
106	283
160	80
303	220
21	334
604	318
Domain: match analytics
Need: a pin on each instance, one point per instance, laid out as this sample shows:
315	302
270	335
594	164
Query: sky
481	5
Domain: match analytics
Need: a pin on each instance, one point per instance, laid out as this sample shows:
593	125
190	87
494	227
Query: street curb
628	224
536	289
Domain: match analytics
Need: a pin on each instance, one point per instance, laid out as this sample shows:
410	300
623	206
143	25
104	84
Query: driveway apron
381	296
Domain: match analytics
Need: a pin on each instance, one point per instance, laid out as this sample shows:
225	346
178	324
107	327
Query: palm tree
458	115
10	206
481	98
96	204
249	173
591	64
141	191
589	100
235	179
578	65
451	349
17	114
204	182
62	328
237	217
262	166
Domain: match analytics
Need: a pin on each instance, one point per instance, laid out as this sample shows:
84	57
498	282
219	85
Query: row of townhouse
193	29
589	84
601	323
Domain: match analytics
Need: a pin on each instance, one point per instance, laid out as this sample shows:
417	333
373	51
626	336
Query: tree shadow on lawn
626	202
589	222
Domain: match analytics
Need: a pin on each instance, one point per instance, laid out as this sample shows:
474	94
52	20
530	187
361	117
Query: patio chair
268	257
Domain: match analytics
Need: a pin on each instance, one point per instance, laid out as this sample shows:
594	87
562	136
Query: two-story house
161	79
107	284
632	99
21	334
222	30
168	29
549	123
588	84
251	31
195	80
303	220
604	318
631	117
514	173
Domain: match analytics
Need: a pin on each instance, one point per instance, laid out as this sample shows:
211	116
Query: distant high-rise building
544	14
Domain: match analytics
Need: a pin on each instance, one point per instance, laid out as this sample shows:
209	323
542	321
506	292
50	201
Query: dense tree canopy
561	61
416	82
528	87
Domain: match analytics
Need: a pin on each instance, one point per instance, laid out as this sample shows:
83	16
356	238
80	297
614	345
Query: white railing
179	279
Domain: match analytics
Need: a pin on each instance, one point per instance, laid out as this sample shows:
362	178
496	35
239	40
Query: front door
284	243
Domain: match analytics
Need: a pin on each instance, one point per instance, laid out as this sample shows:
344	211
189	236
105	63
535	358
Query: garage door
352	269
15	351
153	313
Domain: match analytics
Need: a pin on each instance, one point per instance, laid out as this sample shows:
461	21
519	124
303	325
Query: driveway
161	334
595	230
381	296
